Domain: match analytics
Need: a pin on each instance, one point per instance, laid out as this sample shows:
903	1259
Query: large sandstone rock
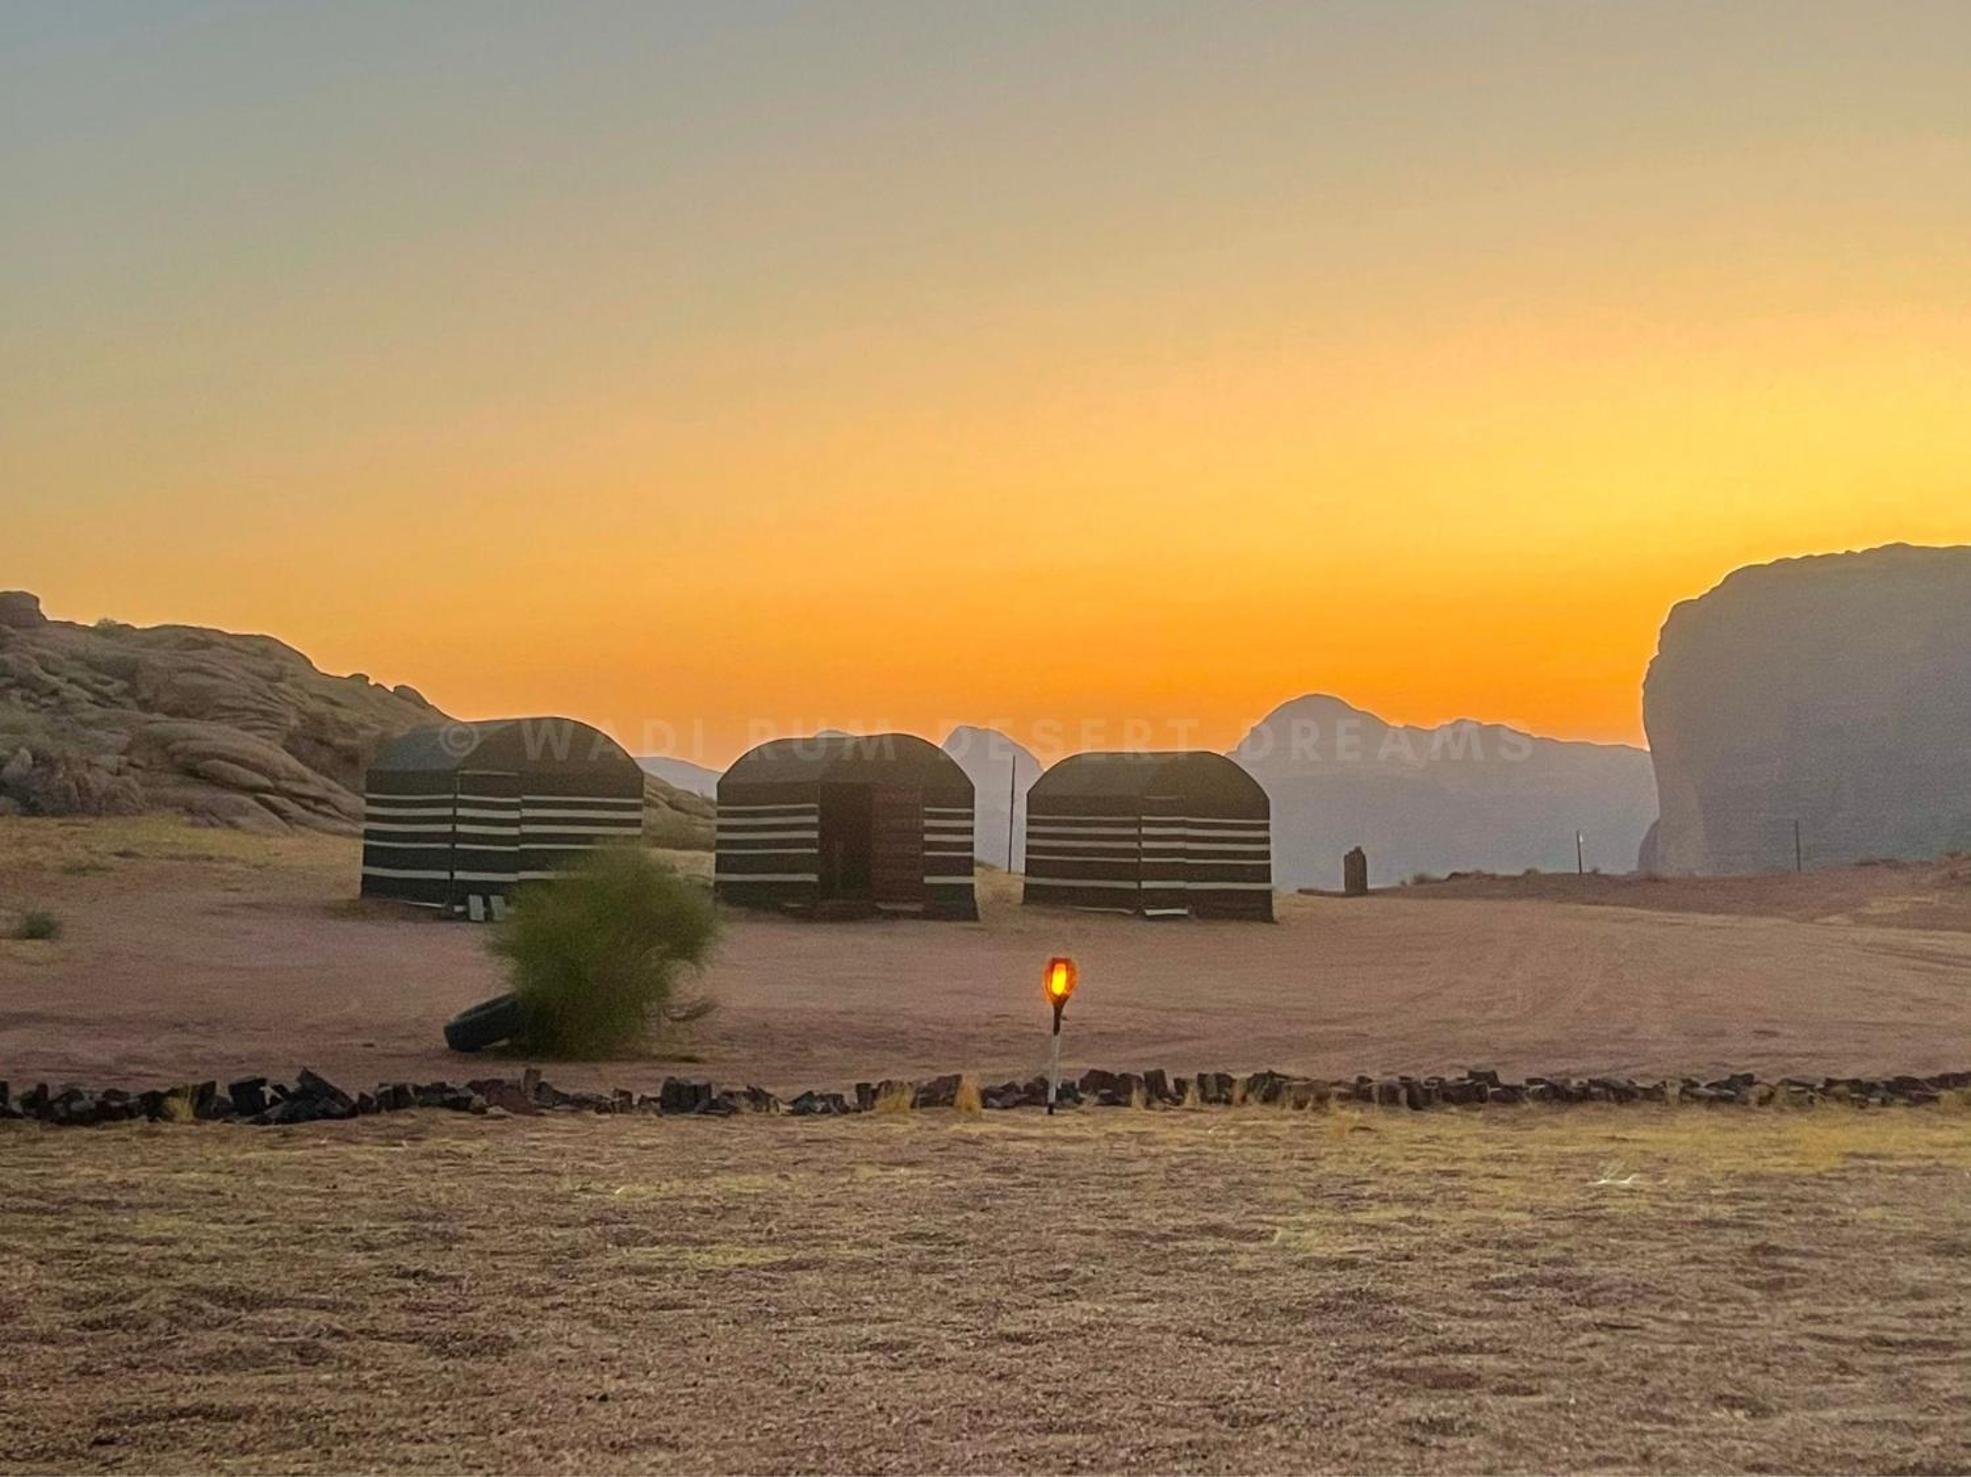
1832	691
1465	796
240	731
1001	771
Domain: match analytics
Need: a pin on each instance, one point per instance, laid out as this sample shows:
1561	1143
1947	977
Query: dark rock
1095	1081
1215	1089
1264	1087
939	1092
680	1095
1157	1088
759	1100
1506	1093
1007	1095
320	1089
249	1095
1484	1076
865	1096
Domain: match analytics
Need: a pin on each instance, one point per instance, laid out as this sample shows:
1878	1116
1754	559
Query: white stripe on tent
804	835
948	809
562	828
782	806
1082	882
382	826
965	881
750	822
404	872
1053	832
626	801
766	877
773	851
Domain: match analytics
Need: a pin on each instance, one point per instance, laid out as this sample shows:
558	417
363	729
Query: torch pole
1054	1060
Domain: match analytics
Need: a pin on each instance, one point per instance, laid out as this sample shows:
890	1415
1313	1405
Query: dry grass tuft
897	1097
968	1100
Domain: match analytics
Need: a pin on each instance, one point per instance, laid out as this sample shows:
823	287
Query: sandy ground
189	953
1524	1290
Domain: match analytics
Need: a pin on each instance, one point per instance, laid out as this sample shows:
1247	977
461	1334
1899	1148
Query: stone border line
313	1098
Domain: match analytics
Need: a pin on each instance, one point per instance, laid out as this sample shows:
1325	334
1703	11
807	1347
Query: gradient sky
739	367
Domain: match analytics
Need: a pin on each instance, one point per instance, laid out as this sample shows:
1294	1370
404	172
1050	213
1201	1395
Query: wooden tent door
897	847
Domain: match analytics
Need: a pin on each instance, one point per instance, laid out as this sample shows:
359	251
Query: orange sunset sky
704	371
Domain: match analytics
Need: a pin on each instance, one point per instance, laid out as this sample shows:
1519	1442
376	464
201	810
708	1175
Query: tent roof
517	744
895	758
1193	773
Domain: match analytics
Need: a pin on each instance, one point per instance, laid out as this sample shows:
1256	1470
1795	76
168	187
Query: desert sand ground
208	953
1502	1290
1247	1289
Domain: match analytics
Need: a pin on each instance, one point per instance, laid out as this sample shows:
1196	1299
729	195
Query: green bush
38	925
595	955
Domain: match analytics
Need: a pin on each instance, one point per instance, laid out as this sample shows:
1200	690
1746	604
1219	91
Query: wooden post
1012	805
1799	851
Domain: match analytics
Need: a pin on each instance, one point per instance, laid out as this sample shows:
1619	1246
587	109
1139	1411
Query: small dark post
1355	873
1580	854
1012	805
1799	852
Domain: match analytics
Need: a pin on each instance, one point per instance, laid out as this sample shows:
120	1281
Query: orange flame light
1059	980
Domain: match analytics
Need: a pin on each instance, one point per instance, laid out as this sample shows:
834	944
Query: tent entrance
897	847
846	821
485	841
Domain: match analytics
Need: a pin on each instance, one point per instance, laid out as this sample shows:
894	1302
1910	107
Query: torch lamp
1059	983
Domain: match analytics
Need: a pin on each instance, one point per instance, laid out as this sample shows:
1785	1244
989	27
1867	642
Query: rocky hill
1465	796
1833	691
1001	771
240	731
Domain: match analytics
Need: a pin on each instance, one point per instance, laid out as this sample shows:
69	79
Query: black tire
486	1024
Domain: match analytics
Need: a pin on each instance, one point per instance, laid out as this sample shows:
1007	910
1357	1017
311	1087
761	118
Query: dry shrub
595	955
968	1100
38	925
897	1097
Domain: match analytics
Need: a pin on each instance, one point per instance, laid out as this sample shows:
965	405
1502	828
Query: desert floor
1522	1289
1234	1289
201	953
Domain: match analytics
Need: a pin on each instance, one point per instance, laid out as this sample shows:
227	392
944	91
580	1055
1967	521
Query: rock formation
1001	772
239	731
1465	796
1833	691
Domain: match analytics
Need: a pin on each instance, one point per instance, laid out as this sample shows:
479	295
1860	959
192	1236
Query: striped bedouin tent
1165	835
844	825
457	816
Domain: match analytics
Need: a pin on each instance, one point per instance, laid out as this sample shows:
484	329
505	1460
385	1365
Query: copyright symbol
457	739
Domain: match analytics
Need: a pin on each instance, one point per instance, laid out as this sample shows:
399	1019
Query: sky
722	370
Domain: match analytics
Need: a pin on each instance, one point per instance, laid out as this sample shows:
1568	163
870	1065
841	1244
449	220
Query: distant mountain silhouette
693	779
1465	796
1834	691
992	760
